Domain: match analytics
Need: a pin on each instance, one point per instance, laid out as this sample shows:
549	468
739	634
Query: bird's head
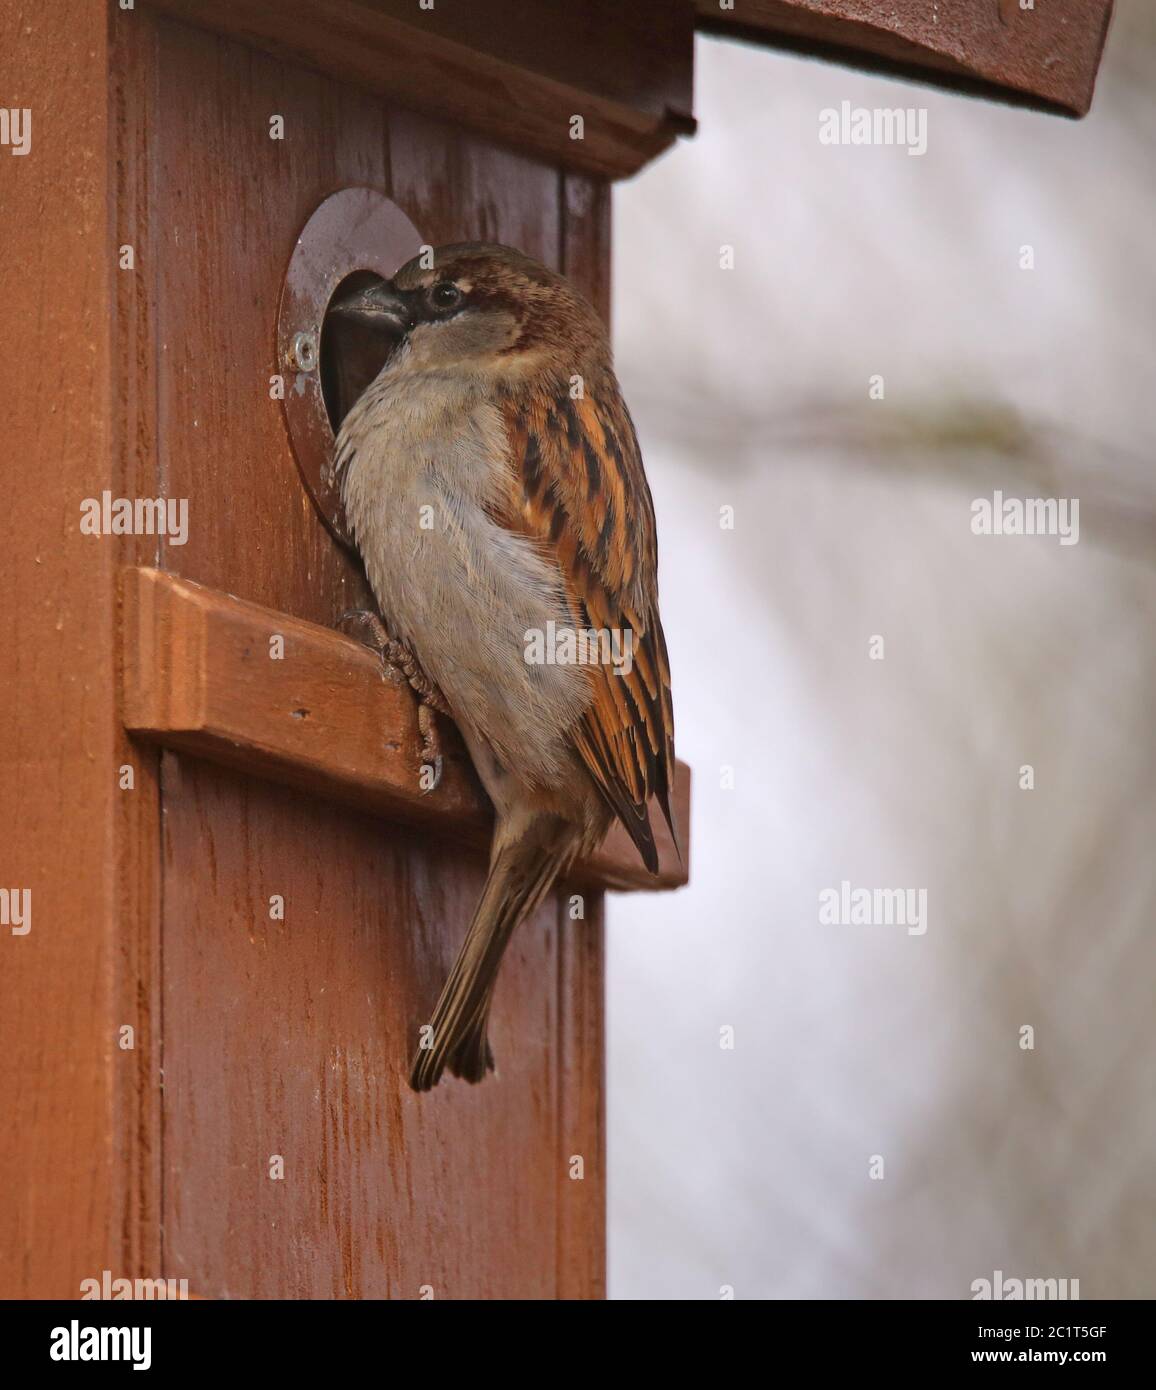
482	308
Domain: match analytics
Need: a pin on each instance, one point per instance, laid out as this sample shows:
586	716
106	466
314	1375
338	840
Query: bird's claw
431	748
399	664
379	638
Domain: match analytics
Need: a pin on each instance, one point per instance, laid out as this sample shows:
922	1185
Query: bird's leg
377	640
398	662
431	744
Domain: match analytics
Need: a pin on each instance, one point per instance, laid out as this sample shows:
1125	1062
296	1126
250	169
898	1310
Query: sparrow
493	485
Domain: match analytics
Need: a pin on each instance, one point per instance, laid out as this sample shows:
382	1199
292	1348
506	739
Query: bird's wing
578	489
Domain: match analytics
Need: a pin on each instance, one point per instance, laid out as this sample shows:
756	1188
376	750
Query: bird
493	485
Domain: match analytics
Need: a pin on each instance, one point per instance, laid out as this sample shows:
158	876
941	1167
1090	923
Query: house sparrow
492	482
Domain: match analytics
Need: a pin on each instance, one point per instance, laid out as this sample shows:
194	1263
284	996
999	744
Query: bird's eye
445	295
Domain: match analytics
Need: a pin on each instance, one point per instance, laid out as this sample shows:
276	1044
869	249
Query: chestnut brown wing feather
577	487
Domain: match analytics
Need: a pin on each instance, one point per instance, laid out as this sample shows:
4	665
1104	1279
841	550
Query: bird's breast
422	461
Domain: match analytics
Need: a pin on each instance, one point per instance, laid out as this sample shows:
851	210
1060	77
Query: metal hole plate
355	229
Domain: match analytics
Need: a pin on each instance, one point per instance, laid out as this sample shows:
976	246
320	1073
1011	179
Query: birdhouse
228	898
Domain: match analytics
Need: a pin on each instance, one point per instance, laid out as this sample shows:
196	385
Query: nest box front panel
301	942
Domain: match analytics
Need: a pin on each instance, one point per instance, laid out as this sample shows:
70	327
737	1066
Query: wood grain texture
138	1111
513	70
79	1169
1046	56
581	1058
292	1037
585	257
231	201
259	1035
198	676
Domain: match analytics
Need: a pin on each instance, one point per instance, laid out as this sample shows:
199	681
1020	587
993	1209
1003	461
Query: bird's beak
380	305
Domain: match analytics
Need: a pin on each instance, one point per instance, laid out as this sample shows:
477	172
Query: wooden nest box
239	904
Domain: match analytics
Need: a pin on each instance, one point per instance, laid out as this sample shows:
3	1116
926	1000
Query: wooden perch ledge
198	675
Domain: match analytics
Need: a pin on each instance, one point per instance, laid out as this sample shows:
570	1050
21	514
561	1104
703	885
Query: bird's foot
398	663
431	746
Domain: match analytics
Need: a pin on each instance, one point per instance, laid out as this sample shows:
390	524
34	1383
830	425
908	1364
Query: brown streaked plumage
499	416
578	489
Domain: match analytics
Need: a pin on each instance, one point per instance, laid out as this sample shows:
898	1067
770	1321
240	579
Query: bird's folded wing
578	489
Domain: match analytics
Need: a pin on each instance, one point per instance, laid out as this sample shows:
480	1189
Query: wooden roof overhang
520	70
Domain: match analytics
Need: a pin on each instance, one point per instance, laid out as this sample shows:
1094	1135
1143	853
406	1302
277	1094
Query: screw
304	351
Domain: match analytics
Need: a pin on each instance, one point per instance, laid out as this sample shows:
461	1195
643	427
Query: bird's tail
523	866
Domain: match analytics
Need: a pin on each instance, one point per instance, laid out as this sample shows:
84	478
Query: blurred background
750	1167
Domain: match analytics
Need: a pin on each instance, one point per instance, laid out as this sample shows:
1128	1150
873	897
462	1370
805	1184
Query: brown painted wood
1045	57
581	1170
288	1035
273	1035
292	1037
514	70
585	259
79	1165
138	1115
198	676
586	238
